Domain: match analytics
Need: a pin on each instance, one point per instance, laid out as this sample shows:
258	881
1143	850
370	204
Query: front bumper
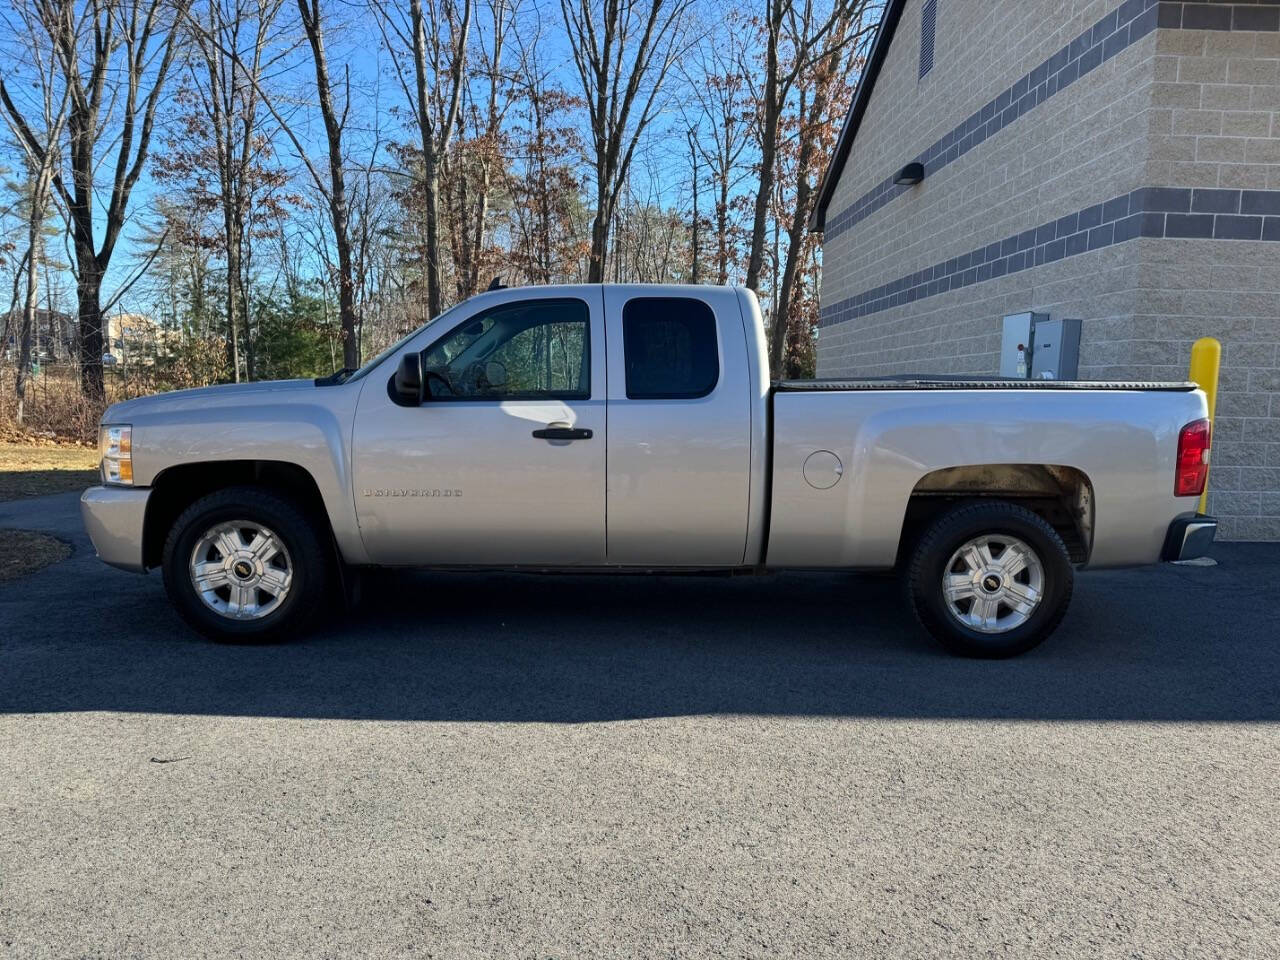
1189	537
114	517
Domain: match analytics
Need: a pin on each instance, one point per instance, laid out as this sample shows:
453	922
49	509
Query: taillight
1193	459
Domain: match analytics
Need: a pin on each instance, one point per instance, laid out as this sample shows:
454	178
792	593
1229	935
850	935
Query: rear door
505	463
679	433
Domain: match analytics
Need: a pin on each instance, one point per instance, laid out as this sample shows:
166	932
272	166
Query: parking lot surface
496	765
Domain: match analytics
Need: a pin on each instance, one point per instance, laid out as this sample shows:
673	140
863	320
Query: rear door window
670	347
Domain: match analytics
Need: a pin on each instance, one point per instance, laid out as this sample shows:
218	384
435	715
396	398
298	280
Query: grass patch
24	551
31	470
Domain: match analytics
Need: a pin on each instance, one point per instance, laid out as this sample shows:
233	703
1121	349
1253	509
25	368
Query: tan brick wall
1215	117
1215	121
959	332
1179	108
1229	290
1082	145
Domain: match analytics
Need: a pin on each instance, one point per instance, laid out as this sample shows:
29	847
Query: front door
504	464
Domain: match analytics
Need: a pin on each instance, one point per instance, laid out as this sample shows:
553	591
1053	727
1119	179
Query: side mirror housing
409	381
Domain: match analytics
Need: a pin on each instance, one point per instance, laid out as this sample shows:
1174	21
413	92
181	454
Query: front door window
531	350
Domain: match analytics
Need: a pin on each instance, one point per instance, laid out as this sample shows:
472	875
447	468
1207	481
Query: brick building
1116	161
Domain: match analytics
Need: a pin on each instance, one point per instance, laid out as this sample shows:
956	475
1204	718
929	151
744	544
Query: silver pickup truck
629	429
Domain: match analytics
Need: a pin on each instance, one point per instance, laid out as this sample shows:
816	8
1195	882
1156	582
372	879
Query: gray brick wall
1169	107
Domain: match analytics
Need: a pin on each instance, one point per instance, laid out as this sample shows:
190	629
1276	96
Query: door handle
562	433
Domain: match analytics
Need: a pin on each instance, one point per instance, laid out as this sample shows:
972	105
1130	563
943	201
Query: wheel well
1062	496
176	488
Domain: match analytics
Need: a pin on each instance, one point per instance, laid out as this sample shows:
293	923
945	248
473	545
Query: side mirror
409	380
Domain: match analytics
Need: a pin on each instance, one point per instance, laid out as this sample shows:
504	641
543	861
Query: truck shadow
1168	643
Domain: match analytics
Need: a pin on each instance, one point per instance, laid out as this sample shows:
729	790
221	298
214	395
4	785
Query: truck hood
226	394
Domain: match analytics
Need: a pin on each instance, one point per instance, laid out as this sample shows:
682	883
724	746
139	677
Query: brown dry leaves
25	551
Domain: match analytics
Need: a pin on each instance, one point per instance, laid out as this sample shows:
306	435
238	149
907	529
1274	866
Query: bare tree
623	52
335	192
542	179
722	117
796	36
42	164
232	44
332	185
114	58
807	136
472	167
433	38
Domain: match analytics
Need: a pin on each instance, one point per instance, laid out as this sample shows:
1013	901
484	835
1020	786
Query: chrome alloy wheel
993	583
241	570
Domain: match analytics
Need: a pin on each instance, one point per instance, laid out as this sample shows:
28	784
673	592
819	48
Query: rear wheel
990	579
245	564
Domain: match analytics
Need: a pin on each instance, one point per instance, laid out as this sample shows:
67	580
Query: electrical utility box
1050	348
1055	350
1018	329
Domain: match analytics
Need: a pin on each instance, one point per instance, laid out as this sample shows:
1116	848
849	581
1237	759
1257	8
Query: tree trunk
246	306
543	199
435	277
599	244
39	204
722	232
89	296
338	208
477	245
346	289
811	119
221	124
233	298
25	332
693	155
768	160
782	318
457	202
89	274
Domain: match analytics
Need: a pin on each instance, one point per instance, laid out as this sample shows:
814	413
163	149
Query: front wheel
990	579
245	564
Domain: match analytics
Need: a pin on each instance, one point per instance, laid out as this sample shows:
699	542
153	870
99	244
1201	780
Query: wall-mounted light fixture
909	175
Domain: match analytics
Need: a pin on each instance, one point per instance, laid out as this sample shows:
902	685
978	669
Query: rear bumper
1189	537
114	516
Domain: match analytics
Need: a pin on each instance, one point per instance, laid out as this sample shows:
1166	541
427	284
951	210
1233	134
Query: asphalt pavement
499	765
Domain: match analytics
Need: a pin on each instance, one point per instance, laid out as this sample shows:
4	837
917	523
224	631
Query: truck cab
592	426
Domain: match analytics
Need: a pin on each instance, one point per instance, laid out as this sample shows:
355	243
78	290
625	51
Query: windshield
364	371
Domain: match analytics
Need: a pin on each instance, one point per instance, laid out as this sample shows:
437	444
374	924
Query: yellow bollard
1206	358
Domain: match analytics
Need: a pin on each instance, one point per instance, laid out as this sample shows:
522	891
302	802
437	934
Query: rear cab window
670	347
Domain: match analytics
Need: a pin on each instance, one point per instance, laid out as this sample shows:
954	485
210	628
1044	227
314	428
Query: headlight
115	444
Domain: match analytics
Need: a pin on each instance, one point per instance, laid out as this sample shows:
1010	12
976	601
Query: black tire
940	542
309	561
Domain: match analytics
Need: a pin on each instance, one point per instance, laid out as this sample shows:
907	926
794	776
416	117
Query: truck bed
877	440
913	382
